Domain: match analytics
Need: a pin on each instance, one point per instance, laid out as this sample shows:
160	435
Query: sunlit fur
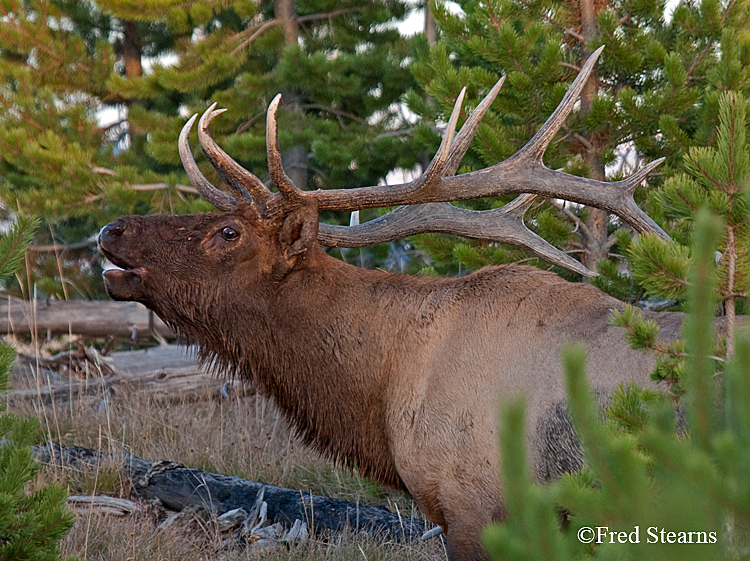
401	376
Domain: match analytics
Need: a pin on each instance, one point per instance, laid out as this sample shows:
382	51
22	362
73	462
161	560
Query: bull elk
399	375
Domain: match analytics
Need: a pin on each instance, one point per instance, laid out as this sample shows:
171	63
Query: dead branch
63	247
99	504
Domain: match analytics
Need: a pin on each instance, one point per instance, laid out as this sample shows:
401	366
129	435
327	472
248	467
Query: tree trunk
729	302
294	159
430	26
284	11
131	50
595	241
430	31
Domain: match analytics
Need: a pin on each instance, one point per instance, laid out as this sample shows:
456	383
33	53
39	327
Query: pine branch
62	247
14	243
573	67
580	225
260	29
21	114
247	124
141	186
162	186
329	15
583	140
549	19
10	17
334	111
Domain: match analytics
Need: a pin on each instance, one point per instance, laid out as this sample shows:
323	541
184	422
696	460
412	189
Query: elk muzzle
126	281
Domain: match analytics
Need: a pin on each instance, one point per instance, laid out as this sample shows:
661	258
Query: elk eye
229	234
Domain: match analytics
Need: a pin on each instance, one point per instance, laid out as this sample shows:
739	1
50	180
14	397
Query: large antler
427	197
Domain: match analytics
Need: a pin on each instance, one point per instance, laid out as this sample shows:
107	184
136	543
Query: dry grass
105	539
242	436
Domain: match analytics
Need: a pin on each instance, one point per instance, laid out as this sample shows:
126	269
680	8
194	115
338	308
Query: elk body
402	376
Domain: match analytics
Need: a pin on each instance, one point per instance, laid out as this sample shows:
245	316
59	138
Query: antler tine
416	191
517	207
275	168
218	198
535	148
629	211
502	225
464	137
436	169
630	184
237	178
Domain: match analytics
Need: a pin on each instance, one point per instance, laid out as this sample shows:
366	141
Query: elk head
258	234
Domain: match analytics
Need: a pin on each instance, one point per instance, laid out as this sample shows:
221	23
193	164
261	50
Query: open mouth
122	280
118	263
119	266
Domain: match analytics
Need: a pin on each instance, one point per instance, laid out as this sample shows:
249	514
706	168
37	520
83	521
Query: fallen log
179	487
98	318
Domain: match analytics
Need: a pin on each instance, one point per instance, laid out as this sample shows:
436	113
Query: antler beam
501	225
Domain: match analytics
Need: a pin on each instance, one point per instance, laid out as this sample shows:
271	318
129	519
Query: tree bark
595	243
294	159
132	50
179	487
729	302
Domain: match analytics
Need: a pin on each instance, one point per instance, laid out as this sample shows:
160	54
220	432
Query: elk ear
299	232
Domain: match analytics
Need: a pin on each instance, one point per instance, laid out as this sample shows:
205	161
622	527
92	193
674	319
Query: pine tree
715	178
655	91
643	484
31	524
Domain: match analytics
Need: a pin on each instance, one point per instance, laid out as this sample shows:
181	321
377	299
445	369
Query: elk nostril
111	232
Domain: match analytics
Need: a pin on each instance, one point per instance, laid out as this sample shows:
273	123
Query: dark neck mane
327	332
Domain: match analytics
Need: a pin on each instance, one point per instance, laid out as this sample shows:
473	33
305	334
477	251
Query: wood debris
168	372
100	504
